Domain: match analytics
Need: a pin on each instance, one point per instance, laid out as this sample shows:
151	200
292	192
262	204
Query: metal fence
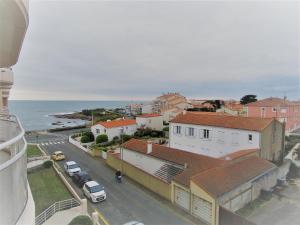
56	207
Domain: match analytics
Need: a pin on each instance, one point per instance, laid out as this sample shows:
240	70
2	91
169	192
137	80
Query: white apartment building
114	128
218	135
16	205
152	121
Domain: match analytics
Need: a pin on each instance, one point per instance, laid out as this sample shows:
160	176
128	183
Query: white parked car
94	191
133	223
71	168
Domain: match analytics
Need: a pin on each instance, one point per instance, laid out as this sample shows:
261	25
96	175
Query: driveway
282	209
126	201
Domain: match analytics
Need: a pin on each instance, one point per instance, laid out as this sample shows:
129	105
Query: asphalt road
126	201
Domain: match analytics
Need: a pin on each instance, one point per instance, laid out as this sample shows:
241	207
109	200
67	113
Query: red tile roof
195	162
117	123
240	154
270	102
226	121
220	180
149	115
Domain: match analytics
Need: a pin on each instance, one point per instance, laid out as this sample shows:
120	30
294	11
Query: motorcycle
119	179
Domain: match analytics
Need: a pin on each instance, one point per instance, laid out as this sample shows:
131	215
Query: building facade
217	135
281	109
152	121
114	128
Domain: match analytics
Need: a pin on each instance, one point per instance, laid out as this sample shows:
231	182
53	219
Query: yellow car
58	155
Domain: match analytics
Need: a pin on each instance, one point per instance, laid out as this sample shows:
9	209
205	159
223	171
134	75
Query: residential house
169	105
114	128
233	108
281	109
217	135
198	184
152	121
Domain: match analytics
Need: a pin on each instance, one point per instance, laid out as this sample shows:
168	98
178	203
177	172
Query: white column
6	82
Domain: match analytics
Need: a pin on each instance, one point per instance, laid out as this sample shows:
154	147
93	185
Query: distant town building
281	109
147	108
233	108
114	128
152	121
133	109
169	105
217	135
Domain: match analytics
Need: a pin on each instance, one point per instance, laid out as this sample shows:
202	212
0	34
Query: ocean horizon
36	114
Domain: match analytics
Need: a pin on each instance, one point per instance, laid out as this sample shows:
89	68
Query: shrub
154	134
101	138
48	164
85	139
116	138
90	135
81	220
126	137
104	149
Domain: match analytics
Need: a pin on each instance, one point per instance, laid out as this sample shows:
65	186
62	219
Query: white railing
56	207
13	171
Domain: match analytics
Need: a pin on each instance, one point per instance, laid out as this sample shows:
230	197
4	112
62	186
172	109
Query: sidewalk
64	217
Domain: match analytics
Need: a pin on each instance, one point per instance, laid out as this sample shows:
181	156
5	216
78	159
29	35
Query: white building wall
221	141
155	123
112	132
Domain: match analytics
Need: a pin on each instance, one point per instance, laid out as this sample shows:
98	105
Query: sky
137	50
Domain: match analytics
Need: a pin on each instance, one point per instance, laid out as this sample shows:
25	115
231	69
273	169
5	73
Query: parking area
126	201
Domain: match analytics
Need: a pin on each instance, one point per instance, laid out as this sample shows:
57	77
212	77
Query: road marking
102	217
46	143
42	144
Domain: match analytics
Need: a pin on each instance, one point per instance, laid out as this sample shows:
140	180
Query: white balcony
13	25
13	171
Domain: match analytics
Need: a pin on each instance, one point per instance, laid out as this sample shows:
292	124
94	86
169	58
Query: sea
38	115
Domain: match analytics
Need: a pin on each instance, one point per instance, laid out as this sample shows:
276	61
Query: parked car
72	168
133	223
58	155
94	191
81	178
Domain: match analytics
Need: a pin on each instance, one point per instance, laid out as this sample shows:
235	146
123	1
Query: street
126	201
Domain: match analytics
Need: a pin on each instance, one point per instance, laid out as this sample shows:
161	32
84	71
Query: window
97	131
274	109
250	137
206	134
190	132
105	131
177	129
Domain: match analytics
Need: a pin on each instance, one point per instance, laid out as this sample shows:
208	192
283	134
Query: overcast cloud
94	50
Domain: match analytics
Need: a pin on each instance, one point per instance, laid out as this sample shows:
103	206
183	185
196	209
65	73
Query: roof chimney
149	147
185	165
184	112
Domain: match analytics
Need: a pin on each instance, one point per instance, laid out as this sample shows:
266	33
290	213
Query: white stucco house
217	135
114	128
153	121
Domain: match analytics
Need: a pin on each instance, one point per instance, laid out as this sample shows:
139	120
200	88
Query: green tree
248	99
102	138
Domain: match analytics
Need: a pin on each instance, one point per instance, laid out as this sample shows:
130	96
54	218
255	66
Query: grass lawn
46	188
33	151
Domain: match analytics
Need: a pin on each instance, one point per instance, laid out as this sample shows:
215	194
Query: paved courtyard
282	209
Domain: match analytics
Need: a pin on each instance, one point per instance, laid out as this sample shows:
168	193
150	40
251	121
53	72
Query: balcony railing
13	171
